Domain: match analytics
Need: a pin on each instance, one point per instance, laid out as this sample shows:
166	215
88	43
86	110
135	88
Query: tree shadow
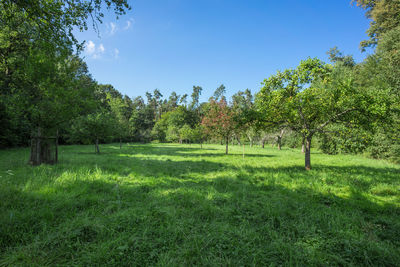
358	177
220	221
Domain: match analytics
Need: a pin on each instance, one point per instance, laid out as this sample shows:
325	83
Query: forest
325	134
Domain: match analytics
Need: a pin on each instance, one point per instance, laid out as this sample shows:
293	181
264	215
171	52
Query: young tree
219	121
185	133
119	110
93	128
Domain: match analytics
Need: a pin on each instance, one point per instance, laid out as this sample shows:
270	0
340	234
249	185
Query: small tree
185	133
118	108
198	135
219	120
92	128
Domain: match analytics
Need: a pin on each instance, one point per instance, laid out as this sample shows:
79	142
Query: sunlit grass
160	204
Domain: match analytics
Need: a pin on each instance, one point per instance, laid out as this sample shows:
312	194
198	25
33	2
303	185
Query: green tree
93	128
119	110
384	15
315	95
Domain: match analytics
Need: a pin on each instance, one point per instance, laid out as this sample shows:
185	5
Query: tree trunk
35	158
308	153
38	147
279	141
120	143
238	140
263	143
243	150
56	156
97	146
222	142
226	145
302	144
41	149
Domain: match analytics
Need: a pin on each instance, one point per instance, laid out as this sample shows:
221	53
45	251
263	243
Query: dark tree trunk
41	149
302	144
308	153
222	142
263	143
279	141
56	156
226	145
120	143
97	146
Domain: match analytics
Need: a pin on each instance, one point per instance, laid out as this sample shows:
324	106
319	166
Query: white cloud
116	53
101	49
113	28
93	51
128	25
90	48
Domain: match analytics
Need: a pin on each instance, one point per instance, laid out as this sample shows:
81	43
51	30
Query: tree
185	133
219	121
384	15
177	118
38	62
56	20
244	116
198	135
219	92
93	128
195	97
119	108
316	95
173	101
183	100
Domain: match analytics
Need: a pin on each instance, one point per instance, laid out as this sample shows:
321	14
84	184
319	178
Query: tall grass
174	205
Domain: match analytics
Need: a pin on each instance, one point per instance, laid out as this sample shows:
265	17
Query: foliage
314	96
384	15
92	128
218	120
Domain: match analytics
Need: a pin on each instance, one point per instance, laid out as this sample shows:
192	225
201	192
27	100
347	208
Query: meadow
180	205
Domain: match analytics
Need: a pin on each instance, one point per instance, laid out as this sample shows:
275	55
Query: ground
180	205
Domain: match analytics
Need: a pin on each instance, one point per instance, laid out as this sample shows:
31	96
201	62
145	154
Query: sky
172	45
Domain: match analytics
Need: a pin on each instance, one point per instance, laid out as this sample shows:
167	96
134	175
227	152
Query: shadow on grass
172	214
361	178
221	221
170	150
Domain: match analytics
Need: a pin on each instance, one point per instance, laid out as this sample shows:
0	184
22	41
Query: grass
179	205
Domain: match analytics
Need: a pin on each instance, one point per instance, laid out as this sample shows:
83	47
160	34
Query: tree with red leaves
219	121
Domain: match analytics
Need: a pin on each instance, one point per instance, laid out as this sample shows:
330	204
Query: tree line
339	107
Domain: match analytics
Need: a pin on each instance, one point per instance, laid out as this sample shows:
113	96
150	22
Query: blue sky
175	44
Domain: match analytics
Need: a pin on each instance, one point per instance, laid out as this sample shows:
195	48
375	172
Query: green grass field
179	205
